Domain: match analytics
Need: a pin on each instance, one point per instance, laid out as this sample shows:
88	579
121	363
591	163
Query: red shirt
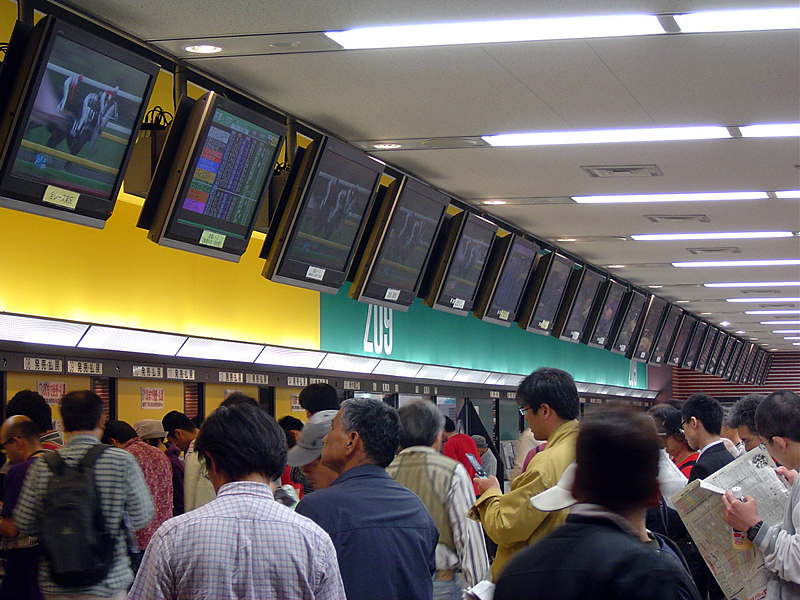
687	468
457	448
158	476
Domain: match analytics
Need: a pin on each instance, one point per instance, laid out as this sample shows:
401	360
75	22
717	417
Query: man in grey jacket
778	423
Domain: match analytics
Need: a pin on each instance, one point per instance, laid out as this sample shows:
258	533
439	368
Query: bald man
19	438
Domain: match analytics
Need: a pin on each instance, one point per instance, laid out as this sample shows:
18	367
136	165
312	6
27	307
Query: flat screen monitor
766	364
666	335
577	314
725	357
634	304
399	244
212	177
313	235
755	369
608	304
695	344
544	295
682	337
748	365
708	347
72	106
733	359
508	271
647	335
744	360
458	263
719	348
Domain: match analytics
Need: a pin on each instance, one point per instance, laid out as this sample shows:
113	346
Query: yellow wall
283	404
27	381
129	395
215	393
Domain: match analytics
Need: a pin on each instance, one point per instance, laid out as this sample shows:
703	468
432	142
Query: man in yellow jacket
550	403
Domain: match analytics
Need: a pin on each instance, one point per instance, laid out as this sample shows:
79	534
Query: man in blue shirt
384	537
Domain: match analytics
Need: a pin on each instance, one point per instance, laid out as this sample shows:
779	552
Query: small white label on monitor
503	314
61	197
315	273
601	340
544	324
458	303
658	359
575	335
391	294
213	239
623	347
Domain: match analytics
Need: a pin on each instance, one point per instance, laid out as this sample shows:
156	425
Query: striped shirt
121	487
242	544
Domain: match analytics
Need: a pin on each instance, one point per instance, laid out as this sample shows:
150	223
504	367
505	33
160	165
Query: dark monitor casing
554	275
656	311
629	322
695	345
576	308
716	354
604	313
712	334
666	335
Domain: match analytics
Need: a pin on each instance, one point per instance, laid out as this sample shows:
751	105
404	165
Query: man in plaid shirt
120	486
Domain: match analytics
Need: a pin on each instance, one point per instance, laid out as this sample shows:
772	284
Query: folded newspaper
740	573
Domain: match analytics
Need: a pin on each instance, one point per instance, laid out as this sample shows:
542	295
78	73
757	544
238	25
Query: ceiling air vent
760	292
606	171
715	250
678	218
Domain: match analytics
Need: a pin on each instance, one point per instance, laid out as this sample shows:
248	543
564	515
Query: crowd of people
366	502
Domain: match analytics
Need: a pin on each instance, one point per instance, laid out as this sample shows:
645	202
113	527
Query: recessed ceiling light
738	20
566	240
788	194
771	130
690	197
748	284
740	332
386	146
655	287
772	312
616	266
494	202
202	49
682	301
753	339
733	235
725	323
706	314
757	300
607	136
738	263
780	322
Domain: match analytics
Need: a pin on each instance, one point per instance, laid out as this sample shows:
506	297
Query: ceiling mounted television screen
719	348
652	321
72	107
624	332
601	321
399	244
748	365
712	335
695	344
212	177
312	238
766	365
733	360
744	360
459	261
543	296
682	337
508	271
577	313
725	357
665	336
759	356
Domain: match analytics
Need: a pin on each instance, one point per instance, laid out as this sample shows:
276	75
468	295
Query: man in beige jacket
549	401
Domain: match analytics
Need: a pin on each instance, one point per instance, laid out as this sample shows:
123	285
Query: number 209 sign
378	331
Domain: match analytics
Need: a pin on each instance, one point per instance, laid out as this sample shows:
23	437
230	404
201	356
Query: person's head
363	432
728	430
659	413
549	398
32	405
309	442
239	398
19	437
180	429
617	455
239	441
421	424
674	439
702	420
449	428
480	443
117	433
151	431
778	423
292	426
743	417
81	411
317	397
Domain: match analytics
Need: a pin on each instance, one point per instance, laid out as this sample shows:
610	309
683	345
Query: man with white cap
307	451
598	553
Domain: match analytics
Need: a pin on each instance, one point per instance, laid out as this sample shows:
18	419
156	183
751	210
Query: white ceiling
728	79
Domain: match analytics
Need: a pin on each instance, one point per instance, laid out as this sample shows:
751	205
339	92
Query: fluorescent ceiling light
220	350
396	368
755	300
772	312
786	331
434	372
607	136
771	130
739	20
350	364
738	263
747	284
131	340
732	235
30	330
780	322
492	32
788	194
289	357
690	197
792	337
468	376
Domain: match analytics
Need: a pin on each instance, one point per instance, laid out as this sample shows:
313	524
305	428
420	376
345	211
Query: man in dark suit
702	424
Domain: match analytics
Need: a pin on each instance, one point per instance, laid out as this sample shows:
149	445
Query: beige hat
148	429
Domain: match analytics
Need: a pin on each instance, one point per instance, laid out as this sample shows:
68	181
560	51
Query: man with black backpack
74	500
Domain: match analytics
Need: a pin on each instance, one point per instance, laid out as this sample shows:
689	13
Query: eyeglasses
523	410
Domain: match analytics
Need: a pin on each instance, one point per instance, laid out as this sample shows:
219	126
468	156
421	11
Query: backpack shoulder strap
54	461
92	455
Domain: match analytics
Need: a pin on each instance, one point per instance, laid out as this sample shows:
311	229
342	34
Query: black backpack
74	536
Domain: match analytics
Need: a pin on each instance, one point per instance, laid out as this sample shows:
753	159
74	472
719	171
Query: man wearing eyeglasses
550	403
19	439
